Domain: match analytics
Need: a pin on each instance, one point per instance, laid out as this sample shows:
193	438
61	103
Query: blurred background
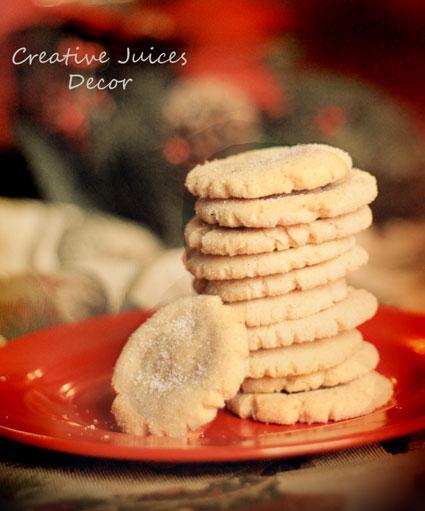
92	204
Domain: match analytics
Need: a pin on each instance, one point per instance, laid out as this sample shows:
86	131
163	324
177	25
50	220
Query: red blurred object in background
380	41
229	43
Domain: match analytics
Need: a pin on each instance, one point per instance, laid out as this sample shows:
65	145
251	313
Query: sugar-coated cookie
212	267
353	399
363	360
269	171
216	240
340	198
304	358
282	283
357	307
179	366
295	305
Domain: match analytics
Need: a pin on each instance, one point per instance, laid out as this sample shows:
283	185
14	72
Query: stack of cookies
273	236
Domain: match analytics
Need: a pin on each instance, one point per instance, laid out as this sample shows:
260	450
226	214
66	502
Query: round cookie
269	171
353	399
212	267
362	361
358	306
340	198
304	358
295	305
282	283
179	366
215	240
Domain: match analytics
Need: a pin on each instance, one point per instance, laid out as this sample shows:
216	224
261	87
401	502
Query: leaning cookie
281	283
357	307
269	171
215	240
340	198
353	399
304	358
363	360
212	267
179	367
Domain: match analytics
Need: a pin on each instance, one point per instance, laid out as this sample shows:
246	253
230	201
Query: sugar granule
168	373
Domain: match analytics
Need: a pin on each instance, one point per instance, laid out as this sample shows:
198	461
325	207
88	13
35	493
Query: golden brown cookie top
270	171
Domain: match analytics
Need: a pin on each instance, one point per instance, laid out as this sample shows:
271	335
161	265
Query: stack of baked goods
274	334
273	237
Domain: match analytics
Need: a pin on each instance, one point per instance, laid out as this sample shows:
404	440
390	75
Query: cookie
215	240
358	306
295	305
353	399
340	198
179	366
282	283
359	363
212	267
304	358
269	171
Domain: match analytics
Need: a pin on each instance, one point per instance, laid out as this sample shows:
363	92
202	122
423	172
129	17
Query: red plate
55	393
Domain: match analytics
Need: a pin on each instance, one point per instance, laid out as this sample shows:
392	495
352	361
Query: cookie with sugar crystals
282	283
263	172
304	358
362	361
358	397
357	307
356	190
215	240
179	367
295	305
213	267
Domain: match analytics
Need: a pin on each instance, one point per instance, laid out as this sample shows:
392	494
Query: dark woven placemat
388	476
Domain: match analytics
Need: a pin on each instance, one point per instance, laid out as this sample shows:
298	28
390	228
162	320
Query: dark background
346	73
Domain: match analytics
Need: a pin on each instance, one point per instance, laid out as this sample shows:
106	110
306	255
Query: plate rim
207	454
199	453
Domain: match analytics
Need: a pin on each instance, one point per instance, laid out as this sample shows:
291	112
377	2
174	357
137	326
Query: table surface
387	476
